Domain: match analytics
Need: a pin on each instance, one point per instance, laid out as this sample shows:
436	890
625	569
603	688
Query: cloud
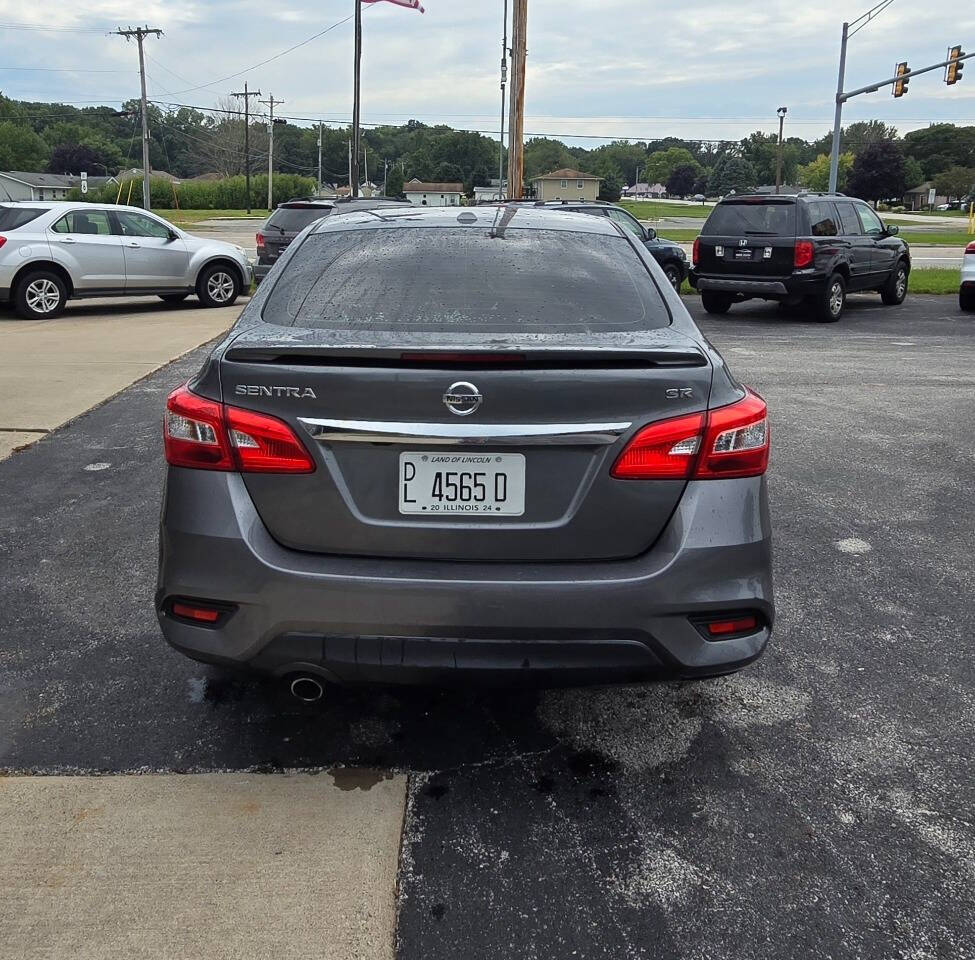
595	67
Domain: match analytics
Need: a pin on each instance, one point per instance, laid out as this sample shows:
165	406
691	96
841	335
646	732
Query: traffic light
900	86
955	67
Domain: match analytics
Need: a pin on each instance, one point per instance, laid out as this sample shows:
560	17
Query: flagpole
354	173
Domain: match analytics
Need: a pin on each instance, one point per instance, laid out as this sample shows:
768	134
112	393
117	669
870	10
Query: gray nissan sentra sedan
441	445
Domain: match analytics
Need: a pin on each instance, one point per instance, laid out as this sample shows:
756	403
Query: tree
543	155
913	173
878	172
940	146
75	157
815	175
862	134
731	173
681	181
394	182
661	165
955	183
610	189
20	147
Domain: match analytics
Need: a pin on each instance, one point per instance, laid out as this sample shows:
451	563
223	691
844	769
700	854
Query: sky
597	69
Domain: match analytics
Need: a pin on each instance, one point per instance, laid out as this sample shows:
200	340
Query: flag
412	4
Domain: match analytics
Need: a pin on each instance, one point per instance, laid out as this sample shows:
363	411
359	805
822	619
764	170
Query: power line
261	63
45	28
63	70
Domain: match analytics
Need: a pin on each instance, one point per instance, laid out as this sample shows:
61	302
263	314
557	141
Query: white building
492	193
20	185
422	194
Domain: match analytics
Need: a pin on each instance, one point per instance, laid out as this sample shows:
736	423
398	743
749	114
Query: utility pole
354	181
365	161
504	80
270	148
350	166
247	94
140	33
516	109
782	111
319	159
385	174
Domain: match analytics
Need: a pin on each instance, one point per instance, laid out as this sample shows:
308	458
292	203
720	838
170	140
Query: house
496	190
919	197
637	191
20	185
566	184
785	188
366	190
422	194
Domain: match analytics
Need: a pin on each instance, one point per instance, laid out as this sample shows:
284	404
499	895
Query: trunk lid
567	410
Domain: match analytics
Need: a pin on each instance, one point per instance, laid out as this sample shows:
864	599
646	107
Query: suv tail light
207	435
260	242
3	240
727	442
969	249
803	254
695	252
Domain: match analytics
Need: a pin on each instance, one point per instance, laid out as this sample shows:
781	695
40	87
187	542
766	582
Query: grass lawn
184	218
941	238
652	210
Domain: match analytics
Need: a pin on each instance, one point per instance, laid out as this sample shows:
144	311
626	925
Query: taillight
193	432
206	435
260	241
662	451
727	442
695	252
265	444
3	240
969	249
736	443
803	255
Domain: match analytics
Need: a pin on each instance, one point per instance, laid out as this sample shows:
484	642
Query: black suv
812	247
291	217
668	254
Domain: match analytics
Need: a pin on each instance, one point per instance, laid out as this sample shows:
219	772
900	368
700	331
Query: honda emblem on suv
462	398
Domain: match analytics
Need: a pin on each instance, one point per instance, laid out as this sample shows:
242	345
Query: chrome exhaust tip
307	689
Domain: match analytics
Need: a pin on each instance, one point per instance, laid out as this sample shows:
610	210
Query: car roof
801	195
500	216
73	205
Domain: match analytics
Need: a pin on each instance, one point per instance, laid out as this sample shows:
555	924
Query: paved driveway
818	804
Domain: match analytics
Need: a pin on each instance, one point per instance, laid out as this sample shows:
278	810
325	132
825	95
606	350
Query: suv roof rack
564	203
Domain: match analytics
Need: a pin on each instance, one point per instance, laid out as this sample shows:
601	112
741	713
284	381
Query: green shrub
227	194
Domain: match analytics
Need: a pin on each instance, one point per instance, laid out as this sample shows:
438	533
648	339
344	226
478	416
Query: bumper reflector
194	612
721	628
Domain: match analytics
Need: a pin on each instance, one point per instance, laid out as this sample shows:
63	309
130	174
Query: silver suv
53	252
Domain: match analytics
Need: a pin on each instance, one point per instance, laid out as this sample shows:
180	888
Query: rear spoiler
555	358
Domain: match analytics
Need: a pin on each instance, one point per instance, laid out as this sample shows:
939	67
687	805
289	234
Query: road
818	804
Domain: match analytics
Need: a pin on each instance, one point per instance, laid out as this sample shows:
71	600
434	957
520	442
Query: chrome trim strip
464	434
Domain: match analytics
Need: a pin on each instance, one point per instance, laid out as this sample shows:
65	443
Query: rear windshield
739	218
465	280
295	219
13	217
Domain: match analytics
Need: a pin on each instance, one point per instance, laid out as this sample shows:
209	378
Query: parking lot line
203	865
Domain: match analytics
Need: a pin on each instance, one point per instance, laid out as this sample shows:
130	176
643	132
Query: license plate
448	484
745	254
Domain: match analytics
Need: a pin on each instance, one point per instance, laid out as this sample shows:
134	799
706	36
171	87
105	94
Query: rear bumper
412	621
261	270
778	288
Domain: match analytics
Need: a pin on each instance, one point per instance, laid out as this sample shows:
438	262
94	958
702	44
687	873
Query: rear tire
41	295
966	300
828	304
218	285
173	297
894	291
716	303
674	275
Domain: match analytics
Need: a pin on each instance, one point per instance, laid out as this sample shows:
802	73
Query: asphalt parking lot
818	804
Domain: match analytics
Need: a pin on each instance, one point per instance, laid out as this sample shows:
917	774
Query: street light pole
782	111
834	157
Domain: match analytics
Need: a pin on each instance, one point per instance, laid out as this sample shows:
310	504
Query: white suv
53	252
966	293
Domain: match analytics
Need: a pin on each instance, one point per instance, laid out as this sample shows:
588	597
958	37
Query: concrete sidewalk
229	865
53	370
